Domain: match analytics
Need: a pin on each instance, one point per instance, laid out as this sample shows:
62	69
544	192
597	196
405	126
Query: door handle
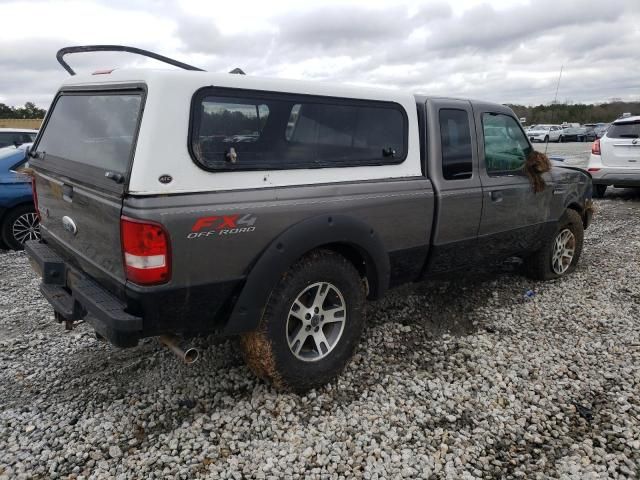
496	196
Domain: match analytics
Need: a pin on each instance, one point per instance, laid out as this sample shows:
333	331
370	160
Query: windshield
95	129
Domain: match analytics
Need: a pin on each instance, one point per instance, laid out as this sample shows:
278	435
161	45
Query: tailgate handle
67	193
115	176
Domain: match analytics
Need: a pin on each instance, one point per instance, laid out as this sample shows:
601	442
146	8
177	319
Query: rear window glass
624	130
269	132
93	129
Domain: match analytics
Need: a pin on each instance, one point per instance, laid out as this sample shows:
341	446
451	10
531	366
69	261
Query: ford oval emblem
69	225
165	179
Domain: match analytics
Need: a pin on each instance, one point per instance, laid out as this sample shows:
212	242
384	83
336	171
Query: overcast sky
498	50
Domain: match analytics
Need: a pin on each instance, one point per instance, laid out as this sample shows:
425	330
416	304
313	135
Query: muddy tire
20	225
599	191
559	254
311	324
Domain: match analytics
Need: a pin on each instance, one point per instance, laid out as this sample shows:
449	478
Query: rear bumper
623	177
143	312
74	296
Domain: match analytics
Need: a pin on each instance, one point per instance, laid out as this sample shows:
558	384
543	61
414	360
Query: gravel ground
462	378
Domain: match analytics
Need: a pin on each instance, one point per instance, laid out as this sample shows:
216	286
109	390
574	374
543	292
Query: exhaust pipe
187	354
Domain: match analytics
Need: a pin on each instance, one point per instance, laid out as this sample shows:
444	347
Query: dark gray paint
96	245
456	199
399	211
508	201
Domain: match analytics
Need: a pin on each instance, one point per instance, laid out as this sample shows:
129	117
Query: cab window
455	143
505	145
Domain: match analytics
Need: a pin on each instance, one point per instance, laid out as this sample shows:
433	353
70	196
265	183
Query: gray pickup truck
178	203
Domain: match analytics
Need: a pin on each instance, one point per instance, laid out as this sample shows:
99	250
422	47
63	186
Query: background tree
28	111
575	113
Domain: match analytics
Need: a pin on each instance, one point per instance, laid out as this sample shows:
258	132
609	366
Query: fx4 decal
219	225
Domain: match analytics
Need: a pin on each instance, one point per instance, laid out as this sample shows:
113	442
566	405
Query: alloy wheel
316	321
26	227
564	248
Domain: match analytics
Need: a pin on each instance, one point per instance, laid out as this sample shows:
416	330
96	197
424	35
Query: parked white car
615	158
545	133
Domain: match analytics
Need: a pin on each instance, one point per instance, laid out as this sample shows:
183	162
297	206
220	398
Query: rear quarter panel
205	251
571	187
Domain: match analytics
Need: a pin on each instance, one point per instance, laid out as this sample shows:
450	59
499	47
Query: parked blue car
18	219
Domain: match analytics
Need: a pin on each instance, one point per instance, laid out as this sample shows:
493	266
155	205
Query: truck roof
198	79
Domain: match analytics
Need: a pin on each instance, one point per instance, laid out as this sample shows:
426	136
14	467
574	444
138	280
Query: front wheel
546	139
311	324
20	225
559	254
560	139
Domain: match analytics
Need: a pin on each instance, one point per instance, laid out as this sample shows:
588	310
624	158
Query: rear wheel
560	139
599	191
546	138
559	254
20	225
311	325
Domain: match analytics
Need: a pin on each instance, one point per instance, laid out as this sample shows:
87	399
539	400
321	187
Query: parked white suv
615	158
545	133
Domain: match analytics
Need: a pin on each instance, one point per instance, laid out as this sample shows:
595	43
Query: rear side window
264	131
455	143
624	130
94	129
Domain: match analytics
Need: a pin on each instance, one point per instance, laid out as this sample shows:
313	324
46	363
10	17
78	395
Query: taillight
35	194
146	251
593	169
595	148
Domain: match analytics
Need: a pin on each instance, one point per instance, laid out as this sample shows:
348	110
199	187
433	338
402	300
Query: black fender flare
293	244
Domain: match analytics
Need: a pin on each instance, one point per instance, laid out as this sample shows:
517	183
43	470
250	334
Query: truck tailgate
84	223
83	157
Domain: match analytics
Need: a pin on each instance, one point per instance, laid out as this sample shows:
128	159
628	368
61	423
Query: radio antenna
555	102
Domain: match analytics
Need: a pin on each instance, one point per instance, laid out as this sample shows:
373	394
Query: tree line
578	113
28	111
